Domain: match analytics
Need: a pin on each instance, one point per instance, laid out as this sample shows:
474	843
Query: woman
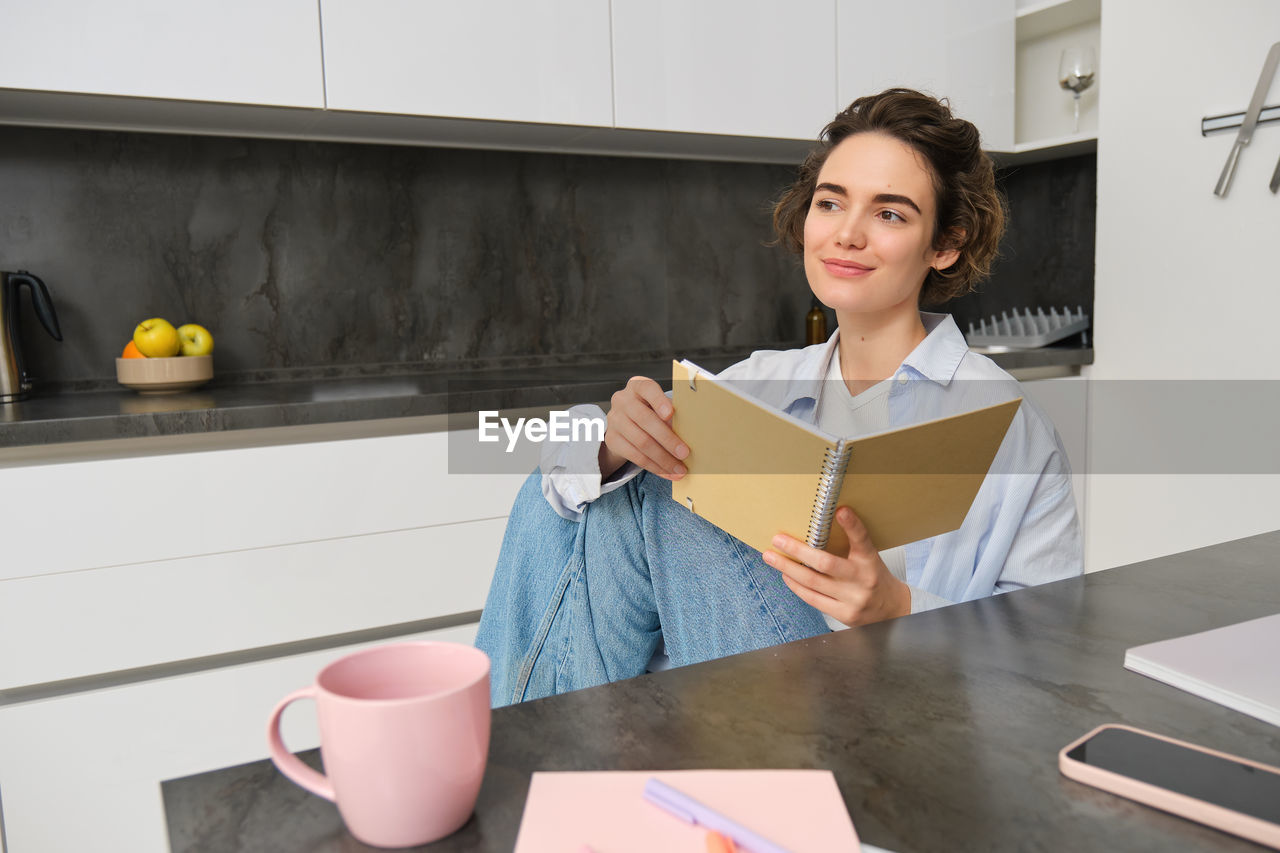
896	208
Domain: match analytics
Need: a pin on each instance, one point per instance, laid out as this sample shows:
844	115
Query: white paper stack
1237	666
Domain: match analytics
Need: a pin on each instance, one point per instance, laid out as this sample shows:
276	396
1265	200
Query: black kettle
15	383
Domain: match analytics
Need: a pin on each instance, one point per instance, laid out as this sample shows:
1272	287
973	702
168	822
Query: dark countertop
942	728
362	395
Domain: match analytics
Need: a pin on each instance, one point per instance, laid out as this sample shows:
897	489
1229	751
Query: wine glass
1075	73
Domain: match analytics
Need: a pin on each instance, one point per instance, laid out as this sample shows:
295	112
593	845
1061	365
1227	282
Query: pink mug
404	734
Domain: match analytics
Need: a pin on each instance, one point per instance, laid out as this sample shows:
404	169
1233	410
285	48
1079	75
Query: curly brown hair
970	210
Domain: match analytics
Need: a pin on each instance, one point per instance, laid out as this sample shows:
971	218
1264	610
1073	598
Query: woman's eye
825	204
891	216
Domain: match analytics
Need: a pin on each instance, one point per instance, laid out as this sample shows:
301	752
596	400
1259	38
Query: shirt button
902	379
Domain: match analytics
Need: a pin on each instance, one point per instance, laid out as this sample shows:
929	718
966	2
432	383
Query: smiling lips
845	269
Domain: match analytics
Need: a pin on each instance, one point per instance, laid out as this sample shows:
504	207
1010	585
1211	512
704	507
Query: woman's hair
970	211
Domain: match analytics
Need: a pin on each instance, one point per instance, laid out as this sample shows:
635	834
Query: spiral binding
834	463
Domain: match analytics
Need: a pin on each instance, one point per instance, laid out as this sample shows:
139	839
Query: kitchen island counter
942	728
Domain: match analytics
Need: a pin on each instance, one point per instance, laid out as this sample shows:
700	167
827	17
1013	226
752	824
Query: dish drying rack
1027	330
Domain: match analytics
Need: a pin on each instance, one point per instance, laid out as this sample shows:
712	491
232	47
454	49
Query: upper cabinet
229	51
718	79
963	51
1045	111
543	61
736	67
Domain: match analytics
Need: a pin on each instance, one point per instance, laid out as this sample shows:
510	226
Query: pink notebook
606	812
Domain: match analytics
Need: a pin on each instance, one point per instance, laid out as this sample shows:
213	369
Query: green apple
156	338
195	340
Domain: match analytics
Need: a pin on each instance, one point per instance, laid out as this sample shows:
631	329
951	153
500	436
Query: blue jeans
579	603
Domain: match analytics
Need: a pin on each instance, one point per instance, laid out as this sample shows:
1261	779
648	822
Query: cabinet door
964	51
515	60
80	624
738	67
233	51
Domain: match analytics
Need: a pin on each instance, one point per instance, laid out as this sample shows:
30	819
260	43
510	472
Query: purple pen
691	811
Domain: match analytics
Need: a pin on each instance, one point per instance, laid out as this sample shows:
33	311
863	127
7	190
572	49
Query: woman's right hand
638	430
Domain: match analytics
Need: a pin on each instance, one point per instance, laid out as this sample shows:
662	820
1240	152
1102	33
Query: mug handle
288	763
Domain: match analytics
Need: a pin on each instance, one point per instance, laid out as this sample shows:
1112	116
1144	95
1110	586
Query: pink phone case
1245	826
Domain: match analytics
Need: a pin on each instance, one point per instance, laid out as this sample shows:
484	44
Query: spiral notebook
755	471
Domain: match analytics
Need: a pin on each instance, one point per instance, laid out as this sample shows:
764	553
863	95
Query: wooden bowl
164	375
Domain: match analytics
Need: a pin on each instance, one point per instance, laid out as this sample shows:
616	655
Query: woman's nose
851	233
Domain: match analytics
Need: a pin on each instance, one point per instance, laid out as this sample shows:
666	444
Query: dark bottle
815	325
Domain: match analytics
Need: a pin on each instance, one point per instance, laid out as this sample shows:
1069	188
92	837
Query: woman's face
869	230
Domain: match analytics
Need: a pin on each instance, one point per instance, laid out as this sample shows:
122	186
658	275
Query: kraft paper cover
755	471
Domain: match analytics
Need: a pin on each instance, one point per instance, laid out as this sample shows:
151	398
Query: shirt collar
936	358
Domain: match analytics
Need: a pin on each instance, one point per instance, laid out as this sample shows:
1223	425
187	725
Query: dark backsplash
1046	258
314	255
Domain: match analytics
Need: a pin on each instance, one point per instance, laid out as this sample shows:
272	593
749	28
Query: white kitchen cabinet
230	51
168	506
751	80
517	60
83	771
961	51
1045	111
157	605
226	550
737	67
80	624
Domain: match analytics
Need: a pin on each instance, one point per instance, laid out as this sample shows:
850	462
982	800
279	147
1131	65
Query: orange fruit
131	351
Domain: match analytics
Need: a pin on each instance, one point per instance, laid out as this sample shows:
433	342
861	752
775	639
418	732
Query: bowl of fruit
163	360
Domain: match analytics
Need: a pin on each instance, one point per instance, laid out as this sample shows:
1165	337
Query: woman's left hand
856	590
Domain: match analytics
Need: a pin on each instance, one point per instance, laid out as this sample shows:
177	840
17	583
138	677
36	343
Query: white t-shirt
843	414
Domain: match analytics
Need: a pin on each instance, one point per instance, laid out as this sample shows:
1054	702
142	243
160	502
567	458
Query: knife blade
1275	178
1250	121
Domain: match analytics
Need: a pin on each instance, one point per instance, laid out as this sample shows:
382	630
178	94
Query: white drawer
103	620
110	512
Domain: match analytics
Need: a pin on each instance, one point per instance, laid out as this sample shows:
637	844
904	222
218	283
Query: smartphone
1233	794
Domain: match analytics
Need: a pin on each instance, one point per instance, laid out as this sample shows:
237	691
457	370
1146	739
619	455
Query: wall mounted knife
1250	122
